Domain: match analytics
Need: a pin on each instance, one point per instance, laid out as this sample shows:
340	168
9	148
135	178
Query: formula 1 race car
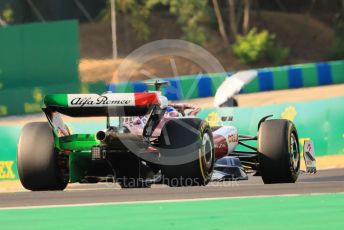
149	140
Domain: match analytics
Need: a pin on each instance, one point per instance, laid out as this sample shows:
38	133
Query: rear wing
108	104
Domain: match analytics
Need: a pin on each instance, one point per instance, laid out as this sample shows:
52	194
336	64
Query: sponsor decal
289	113
221	146
103	100
214	119
308	147
309	156
233	137
302	142
6	170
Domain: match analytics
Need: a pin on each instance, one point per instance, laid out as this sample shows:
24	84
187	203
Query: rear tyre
279	153
38	162
187	151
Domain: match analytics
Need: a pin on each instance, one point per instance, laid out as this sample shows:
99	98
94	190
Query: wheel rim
207	151
294	152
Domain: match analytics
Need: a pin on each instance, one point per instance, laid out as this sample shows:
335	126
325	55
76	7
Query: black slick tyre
279	152
187	151
38	162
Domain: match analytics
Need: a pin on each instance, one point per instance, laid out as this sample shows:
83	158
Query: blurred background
242	34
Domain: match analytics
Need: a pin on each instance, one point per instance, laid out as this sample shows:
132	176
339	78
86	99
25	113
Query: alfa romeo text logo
102	100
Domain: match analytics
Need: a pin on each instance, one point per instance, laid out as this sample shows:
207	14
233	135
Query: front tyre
187	150
279	152
39	166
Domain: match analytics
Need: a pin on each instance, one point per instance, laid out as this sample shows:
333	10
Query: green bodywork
79	162
79	145
56	100
80	156
78	142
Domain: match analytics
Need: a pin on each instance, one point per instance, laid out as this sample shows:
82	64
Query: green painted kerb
279	212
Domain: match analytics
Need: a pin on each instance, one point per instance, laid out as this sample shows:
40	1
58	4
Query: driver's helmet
171	112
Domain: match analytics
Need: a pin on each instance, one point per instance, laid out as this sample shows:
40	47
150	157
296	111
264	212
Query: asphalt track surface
325	181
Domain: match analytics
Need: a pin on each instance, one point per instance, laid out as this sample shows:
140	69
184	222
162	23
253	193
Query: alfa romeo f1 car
149	140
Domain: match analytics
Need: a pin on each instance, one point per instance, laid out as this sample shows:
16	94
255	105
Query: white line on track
156	201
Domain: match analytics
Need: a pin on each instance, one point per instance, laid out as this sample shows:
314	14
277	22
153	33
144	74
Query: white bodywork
229	141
